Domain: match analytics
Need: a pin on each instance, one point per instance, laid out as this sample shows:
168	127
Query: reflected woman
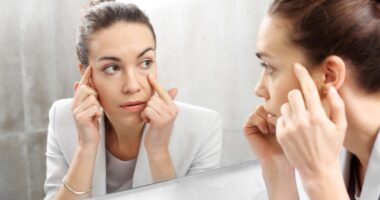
330	100
122	129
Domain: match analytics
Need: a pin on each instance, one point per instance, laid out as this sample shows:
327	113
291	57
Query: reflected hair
349	29
101	14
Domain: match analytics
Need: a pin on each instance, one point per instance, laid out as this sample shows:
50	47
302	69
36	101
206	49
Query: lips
133	106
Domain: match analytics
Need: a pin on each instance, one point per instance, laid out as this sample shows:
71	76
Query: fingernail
297	67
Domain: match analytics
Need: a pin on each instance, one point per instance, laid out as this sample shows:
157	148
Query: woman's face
278	56
122	56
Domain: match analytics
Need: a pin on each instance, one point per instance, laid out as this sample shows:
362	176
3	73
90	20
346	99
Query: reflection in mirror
122	129
199	49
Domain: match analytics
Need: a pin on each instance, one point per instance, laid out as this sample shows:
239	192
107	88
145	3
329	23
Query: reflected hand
86	110
161	113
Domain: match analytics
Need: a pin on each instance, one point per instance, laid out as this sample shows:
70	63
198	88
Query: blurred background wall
205	48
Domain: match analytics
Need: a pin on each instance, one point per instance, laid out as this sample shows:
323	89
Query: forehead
122	37
273	35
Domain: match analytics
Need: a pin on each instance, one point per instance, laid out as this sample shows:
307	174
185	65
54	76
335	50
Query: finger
296	102
151	114
286	114
261	112
251	130
76	84
257	121
157	105
87	103
272	128
336	104
82	93
86	76
99	114
309	89
144	117
173	93
90	113
280	127
159	89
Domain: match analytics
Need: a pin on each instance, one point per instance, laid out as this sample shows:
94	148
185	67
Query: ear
82	69
334	72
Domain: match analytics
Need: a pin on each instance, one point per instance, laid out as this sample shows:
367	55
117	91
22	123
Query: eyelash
147	63
141	65
110	66
268	69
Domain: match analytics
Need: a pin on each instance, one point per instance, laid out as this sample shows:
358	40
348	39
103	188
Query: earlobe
82	68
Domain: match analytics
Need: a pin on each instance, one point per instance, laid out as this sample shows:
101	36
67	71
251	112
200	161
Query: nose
260	88
130	83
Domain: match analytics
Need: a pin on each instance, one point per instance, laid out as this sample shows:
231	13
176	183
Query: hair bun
96	2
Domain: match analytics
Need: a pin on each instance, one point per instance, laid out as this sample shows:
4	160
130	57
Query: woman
122	129
321	85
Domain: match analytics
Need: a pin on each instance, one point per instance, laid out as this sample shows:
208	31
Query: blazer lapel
141	175
99	177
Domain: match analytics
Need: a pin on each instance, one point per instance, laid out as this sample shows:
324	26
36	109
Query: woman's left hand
161	113
310	138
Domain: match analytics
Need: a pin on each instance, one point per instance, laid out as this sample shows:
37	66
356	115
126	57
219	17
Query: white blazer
195	146
371	184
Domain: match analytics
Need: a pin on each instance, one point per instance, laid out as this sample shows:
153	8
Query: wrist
158	154
87	150
328	180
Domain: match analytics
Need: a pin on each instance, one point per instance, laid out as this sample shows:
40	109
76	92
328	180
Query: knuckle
315	119
301	124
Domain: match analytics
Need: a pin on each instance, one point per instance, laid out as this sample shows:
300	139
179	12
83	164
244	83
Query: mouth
133	106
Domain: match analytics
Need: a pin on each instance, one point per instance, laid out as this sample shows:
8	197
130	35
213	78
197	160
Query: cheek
144	83
279	92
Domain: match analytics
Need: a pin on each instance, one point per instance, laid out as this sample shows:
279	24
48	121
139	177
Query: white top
195	146
371	185
119	173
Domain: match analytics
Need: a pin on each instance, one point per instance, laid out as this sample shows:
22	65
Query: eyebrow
263	54
116	59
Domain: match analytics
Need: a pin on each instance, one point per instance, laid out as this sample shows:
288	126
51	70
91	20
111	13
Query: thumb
173	93
337	110
76	84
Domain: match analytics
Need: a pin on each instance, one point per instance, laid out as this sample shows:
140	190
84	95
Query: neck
362	111
123	141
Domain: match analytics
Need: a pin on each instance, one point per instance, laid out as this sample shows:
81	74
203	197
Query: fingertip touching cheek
277	56
122	56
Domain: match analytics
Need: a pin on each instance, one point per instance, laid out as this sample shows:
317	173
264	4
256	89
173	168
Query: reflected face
122	56
278	56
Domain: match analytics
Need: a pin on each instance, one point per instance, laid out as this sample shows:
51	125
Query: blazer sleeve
56	165
209	153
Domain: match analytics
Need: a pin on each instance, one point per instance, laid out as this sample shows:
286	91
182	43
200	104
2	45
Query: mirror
205	49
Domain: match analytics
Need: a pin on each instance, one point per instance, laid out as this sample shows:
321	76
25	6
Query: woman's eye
268	69
111	69
146	64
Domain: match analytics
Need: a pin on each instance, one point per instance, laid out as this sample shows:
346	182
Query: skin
320	106
122	69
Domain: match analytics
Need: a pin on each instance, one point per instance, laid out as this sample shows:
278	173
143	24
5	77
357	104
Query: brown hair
349	29
102	14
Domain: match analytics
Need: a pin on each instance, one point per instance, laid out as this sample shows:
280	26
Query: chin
132	119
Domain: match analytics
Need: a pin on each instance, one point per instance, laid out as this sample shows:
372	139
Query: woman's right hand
261	136
278	173
86	110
